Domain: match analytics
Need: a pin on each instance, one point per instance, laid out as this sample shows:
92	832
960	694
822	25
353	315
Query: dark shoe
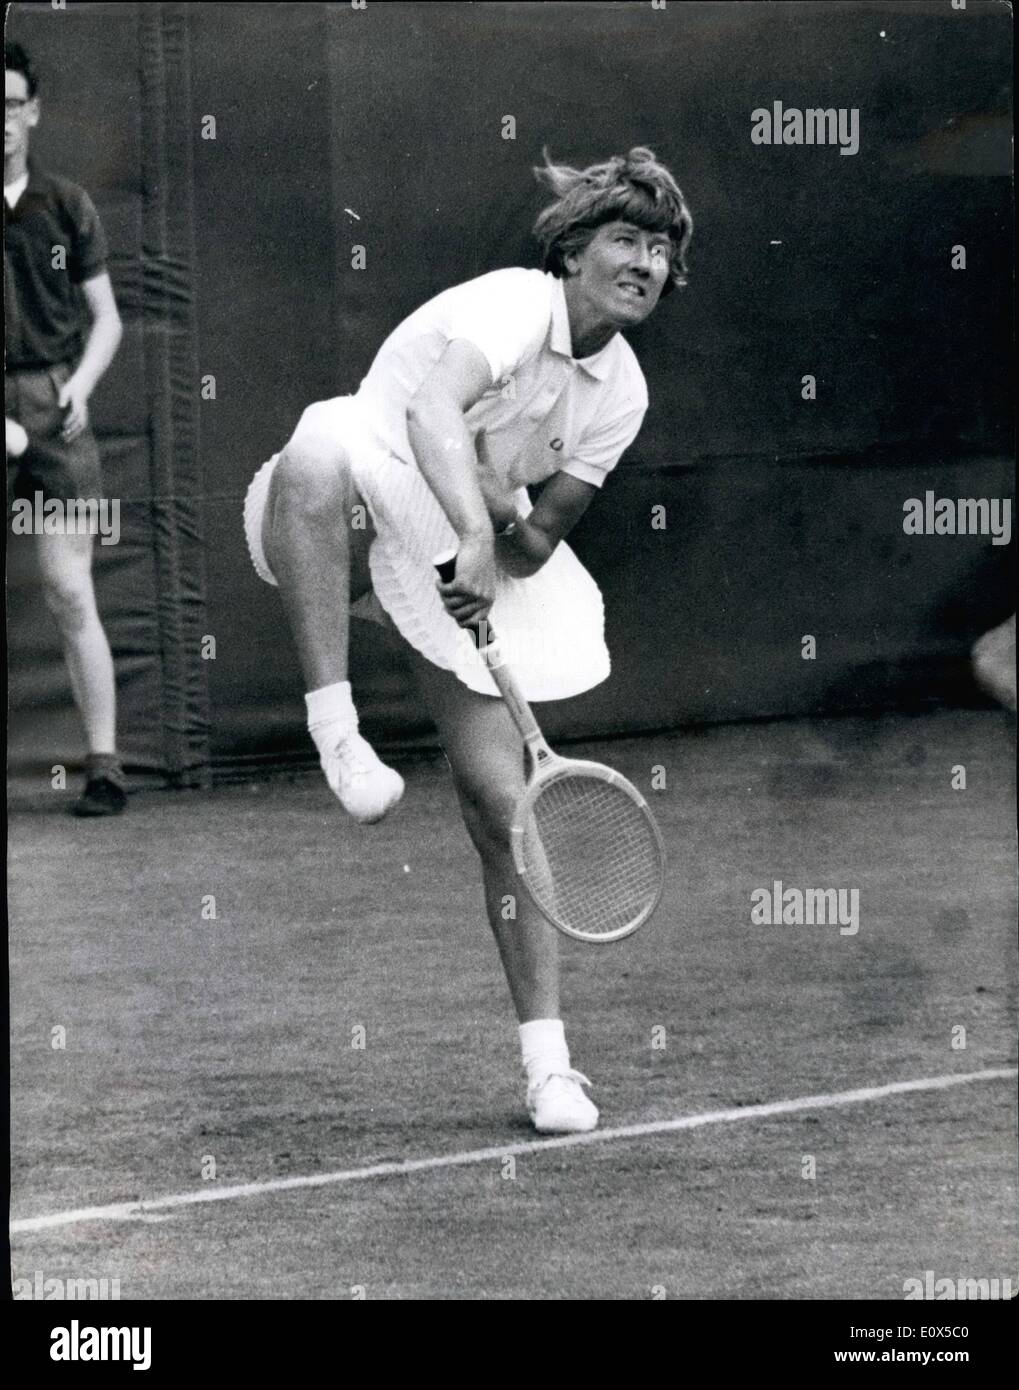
102	797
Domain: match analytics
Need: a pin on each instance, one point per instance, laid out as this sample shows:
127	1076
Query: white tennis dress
545	411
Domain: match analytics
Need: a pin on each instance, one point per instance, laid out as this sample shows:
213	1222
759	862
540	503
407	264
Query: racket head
588	849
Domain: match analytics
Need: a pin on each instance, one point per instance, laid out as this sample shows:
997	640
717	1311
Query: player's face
20	112
622	271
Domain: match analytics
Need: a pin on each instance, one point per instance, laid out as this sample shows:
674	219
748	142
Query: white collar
599	364
13	191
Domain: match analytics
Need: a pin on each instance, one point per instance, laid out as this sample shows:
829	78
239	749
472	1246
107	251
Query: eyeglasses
12	105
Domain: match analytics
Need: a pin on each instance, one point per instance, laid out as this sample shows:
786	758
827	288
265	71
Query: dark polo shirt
47	314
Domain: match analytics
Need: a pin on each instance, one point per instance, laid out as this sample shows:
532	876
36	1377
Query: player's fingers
467	613
462	612
453	592
453	595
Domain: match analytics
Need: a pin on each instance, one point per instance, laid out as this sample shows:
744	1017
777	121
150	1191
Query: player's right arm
444	451
441	441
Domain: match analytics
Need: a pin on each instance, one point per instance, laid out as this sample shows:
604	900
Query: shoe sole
564	1129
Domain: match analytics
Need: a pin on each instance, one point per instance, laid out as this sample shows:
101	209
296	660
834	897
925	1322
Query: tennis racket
583	839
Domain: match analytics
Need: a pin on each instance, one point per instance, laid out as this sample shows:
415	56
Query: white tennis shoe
365	786
557	1104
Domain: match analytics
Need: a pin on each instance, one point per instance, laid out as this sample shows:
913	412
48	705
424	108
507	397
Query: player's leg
65	563
994	663
486	756
319	560
311	546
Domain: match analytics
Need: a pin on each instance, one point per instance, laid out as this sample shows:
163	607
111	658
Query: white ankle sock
331	713
543	1047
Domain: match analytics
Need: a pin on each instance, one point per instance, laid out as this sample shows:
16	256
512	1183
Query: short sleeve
91	251
600	449
505	314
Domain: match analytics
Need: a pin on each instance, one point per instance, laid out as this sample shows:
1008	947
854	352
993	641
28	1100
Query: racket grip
490	653
445	564
481	630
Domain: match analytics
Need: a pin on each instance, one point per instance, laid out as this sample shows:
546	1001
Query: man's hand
73	400
471	593
17	439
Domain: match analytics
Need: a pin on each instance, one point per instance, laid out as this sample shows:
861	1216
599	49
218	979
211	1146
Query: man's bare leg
65	563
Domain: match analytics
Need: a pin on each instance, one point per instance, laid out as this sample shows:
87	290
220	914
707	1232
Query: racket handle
481	631
484	640
446	566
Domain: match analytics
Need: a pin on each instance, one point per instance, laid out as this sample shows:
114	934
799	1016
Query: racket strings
591	855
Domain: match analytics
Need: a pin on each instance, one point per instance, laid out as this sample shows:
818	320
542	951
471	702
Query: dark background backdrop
232	257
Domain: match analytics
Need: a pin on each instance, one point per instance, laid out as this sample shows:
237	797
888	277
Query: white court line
132	1211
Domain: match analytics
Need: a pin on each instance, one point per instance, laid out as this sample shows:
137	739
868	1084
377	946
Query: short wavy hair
633	188
17	60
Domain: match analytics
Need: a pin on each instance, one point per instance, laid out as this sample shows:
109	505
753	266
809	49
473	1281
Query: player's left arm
565	497
531	540
101	343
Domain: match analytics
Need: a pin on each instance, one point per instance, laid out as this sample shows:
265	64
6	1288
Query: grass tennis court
232	1038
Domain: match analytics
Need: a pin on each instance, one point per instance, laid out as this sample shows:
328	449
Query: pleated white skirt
551	625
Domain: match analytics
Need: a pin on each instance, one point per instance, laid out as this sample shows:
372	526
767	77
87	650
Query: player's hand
470	594
73	400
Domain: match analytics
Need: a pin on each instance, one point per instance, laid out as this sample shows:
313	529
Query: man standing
63	331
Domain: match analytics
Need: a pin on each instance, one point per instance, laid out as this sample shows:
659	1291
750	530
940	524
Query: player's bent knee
315	440
314	485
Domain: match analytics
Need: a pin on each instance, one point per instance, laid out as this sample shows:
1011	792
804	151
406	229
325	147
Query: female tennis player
515	378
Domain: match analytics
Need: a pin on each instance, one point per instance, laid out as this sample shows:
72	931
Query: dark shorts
49	464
